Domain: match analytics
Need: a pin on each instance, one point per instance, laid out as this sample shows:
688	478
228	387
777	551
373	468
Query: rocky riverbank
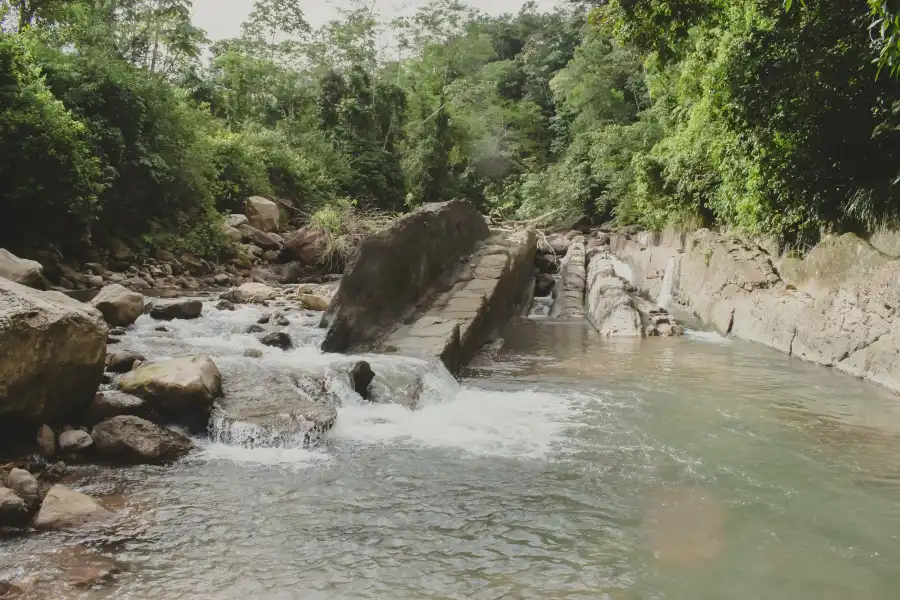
836	307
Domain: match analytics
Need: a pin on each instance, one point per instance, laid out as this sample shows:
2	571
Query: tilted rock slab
610	308
52	353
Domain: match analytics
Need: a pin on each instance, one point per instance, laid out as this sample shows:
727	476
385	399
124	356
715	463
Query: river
563	466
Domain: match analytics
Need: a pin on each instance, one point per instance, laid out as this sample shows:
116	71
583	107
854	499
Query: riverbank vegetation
119	118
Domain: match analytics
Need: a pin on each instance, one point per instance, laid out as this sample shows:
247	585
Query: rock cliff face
841	312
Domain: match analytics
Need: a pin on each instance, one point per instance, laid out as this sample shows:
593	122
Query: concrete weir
437	284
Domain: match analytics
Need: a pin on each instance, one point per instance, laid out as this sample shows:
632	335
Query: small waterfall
223	430
541	307
665	293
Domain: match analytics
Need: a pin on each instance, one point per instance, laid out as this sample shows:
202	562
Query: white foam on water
712	337
477	422
299	458
665	292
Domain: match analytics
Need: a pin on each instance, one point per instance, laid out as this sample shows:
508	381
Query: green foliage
50	179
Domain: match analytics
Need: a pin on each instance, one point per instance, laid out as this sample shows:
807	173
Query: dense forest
120	118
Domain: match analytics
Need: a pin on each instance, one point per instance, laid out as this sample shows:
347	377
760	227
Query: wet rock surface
128	439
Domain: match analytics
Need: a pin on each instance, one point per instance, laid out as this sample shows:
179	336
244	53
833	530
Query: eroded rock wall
848	322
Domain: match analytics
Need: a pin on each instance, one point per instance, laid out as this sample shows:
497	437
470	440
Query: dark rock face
167	310
543	285
362	375
279	339
407	258
131	440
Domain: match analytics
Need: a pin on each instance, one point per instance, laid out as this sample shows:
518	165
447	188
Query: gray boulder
266	241
278	339
306	245
21	270
112	403
182	308
177	386
120	306
74	441
26	487
122	361
132	440
54	351
67	509
263	214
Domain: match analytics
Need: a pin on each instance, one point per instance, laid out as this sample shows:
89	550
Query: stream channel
563	466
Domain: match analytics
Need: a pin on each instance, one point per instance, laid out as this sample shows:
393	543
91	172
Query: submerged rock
183	308
274	409
26	487
132	440
65	509
54	351
224	305
119	305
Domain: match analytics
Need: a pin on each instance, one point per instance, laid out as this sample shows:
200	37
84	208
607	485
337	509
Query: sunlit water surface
564	467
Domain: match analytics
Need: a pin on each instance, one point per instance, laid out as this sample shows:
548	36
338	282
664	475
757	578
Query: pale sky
222	18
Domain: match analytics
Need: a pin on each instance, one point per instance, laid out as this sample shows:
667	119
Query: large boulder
181	308
397	268
53	354
236	221
132	440
176	387
21	270
66	509
306	245
26	487
263	214
120	306
609	306
12	509
258	237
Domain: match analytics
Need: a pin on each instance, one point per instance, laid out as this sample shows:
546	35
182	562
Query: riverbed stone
279	339
262	214
74	441
122	361
119	305
177	386
224	305
26	487
112	403
257	237
128	439
21	270
361	375
313	302
13	512
256	293
181	308
54	350
67	509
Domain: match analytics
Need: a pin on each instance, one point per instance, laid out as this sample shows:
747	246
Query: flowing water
562	466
